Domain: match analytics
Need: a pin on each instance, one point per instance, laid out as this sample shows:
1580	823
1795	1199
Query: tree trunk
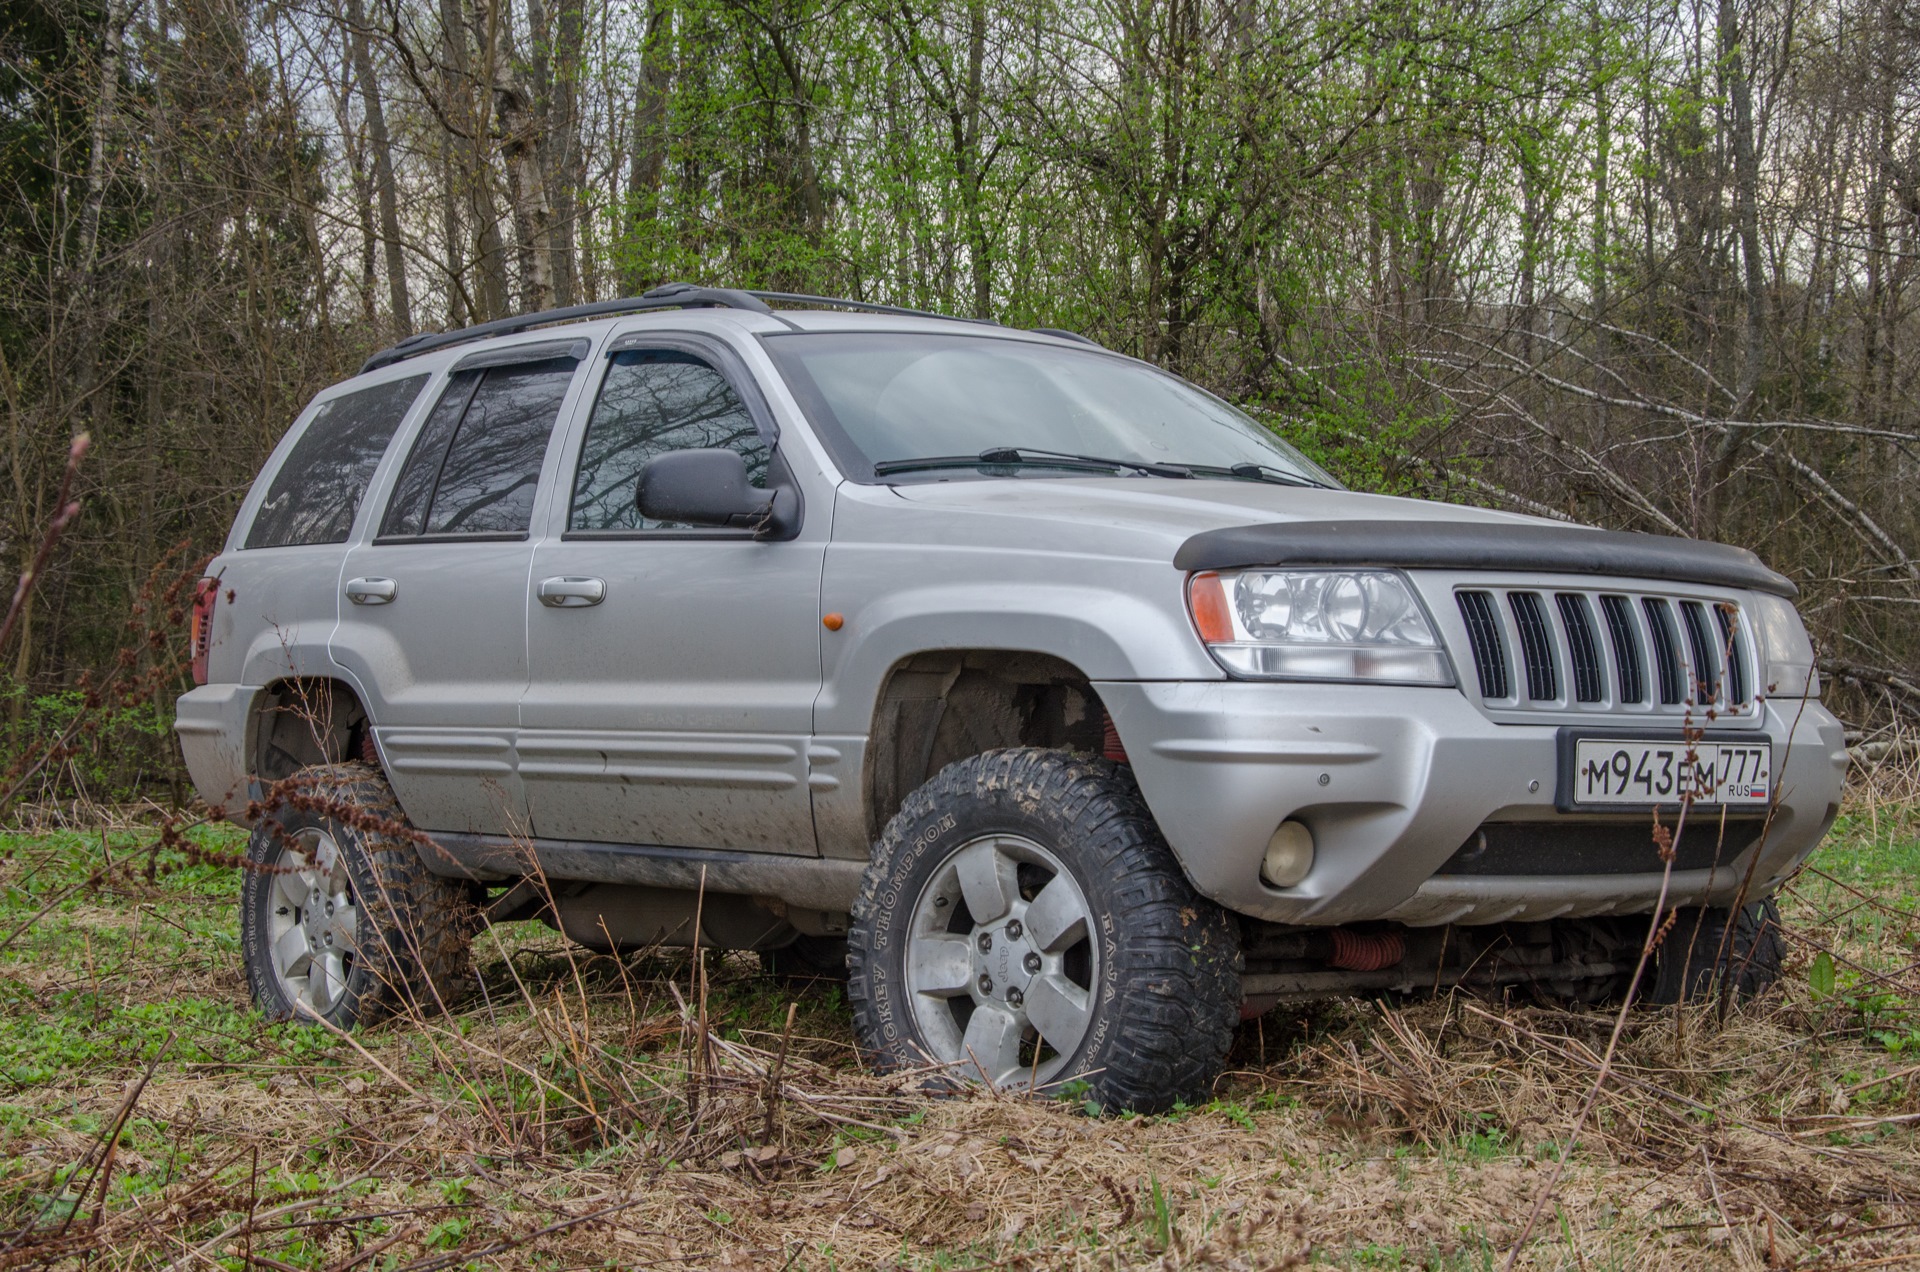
566	165
647	160
377	139
469	108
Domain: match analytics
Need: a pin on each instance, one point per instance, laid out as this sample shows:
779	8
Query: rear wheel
1709	946
339	916
1024	924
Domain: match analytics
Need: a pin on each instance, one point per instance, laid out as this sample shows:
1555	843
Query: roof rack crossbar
666	296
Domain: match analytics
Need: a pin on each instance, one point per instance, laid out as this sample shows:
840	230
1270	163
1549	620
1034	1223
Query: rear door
433	616
280	586
673	669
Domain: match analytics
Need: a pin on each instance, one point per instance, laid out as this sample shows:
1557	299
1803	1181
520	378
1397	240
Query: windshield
996	407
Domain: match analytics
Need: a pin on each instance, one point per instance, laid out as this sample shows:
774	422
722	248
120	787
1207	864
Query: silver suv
1064	710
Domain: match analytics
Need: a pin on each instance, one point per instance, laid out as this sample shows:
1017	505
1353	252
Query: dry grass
582	1114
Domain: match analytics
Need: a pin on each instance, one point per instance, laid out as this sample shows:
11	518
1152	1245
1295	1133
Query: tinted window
654	401
317	491
474	469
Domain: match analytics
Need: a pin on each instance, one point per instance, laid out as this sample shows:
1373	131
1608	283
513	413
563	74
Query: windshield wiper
1003	456
1253	472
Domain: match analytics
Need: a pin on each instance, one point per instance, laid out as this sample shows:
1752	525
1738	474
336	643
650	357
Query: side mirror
710	488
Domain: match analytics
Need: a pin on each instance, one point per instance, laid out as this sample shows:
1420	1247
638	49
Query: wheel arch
298	722
943	705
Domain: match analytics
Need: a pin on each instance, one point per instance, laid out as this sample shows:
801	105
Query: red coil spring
1110	745
1366	951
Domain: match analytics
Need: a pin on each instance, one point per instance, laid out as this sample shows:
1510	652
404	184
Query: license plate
1614	771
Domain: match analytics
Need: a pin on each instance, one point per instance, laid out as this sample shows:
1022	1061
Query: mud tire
1166	996
415	928
1710	946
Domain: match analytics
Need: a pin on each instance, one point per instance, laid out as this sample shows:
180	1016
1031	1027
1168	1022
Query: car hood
1209	525
1165	512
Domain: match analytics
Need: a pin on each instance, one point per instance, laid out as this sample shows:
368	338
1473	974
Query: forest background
1647	264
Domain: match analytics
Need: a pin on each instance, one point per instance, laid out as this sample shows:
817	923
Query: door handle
572	591
371	591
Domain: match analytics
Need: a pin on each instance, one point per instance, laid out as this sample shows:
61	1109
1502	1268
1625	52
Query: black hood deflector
1474	545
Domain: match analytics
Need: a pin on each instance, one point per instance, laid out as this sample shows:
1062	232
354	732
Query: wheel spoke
345	926
992	1042
940	965
1059	1009
291	953
986	879
1057	919
288	892
328	981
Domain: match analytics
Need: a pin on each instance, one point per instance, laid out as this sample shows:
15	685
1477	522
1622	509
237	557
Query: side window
474	469
654	401
318	489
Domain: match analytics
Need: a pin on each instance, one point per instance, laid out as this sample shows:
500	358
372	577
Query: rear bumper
1393	781
211	723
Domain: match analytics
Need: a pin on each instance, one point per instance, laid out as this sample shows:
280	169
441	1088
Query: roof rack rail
1062	333
863	306
665	296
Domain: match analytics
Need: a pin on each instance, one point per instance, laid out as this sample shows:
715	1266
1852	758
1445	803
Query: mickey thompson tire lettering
1166	992
413	946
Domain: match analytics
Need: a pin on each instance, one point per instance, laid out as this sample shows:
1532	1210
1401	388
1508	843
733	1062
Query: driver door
672	669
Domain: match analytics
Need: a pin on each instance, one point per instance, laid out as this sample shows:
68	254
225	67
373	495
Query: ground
580	1112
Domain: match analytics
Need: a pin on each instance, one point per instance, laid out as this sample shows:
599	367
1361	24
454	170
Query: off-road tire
413	949
809	960
1710	946
1167	992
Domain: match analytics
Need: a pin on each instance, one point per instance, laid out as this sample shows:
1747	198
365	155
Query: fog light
1289	855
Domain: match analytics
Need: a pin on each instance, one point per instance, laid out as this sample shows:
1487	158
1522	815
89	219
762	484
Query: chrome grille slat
1733	645
1583	651
1666	649
1628	668
1605	651
1536	645
1705	653
1483	634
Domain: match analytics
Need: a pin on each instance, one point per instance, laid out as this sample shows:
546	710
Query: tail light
206	594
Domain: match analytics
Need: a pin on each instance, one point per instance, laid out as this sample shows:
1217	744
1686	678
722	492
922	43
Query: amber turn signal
1207	601
833	622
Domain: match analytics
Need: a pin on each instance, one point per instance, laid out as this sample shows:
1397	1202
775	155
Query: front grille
1607	652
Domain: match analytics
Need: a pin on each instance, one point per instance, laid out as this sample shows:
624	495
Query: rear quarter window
318	488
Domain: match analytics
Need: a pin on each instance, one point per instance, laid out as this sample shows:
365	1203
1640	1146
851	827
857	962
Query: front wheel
1024	924
1714	947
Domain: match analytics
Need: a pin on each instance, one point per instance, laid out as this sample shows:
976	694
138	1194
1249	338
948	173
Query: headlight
1317	625
1785	651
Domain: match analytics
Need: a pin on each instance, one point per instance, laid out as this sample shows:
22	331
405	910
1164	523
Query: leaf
1820	975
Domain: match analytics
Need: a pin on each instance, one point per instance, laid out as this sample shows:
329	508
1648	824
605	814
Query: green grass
573	1080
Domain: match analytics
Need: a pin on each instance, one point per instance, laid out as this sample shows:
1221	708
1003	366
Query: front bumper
1393	781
